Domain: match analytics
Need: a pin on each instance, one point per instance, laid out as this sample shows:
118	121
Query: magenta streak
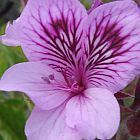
67	54
112	36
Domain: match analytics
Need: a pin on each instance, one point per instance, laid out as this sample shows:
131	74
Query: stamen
76	88
51	77
46	79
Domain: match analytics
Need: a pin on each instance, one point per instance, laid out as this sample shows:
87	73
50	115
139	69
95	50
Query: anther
46	79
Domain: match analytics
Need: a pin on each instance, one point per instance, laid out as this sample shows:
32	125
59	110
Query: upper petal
49	125
52	31
11	37
96	114
43	85
95	4
112	45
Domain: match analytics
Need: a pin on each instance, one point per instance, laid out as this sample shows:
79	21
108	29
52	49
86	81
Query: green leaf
12	120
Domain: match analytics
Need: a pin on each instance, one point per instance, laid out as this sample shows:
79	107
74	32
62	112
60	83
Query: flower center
76	88
75	84
72	84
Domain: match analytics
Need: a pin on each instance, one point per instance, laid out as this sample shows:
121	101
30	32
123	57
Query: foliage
14	107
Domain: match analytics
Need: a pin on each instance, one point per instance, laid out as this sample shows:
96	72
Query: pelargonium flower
78	61
11	36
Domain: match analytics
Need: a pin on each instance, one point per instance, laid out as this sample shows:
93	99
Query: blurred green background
16	107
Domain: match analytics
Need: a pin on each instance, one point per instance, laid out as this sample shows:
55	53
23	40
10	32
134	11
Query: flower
78	61
95	4
11	36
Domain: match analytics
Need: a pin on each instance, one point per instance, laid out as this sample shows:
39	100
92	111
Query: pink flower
79	61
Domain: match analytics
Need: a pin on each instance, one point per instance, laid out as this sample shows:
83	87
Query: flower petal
52	31
96	114
112	45
49	125
95	4
42	84
11	37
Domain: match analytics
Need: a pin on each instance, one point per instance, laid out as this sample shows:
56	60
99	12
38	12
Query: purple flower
11	37
79	61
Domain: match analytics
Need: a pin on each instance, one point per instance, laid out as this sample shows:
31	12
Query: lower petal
49	125
32	78
96	114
